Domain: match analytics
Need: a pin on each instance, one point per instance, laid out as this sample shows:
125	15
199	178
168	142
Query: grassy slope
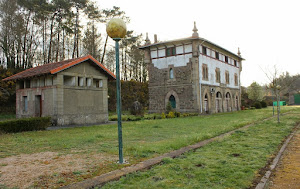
230	163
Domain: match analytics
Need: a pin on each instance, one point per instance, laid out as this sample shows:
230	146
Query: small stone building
193	74
71	92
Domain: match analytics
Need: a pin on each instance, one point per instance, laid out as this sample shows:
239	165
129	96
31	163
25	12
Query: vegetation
142	139
131	91
255	92
25	124
233	162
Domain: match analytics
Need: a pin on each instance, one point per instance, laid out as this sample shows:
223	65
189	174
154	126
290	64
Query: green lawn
232	162
142	139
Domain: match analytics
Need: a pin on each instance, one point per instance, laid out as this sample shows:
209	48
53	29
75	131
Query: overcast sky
267	31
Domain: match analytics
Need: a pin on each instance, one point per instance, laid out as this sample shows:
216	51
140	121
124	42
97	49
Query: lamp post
116	29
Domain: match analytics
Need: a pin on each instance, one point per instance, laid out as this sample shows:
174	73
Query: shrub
163	116
170	115
25	124
263	104
169	107
136	108
177	114
257	105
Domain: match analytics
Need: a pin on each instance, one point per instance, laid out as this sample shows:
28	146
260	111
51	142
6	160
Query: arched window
171	73
218	102
206	103
172	101
228	104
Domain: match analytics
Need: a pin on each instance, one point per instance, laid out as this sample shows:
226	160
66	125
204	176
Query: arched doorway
228	104
172	100
206	104
218	102
236	102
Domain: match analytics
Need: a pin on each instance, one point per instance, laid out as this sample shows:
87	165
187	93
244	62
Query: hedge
25	124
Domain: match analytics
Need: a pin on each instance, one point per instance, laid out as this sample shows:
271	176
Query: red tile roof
53	68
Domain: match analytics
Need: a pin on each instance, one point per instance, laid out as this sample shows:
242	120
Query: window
227	77
80	81
226	59
218	75
204	51
171	73
27	84
88	82
69	80
204	72
98	83
171	51
235	64
236	80
217	55
25	103
21	83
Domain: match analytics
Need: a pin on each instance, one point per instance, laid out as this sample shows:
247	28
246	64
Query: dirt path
24	170
287	173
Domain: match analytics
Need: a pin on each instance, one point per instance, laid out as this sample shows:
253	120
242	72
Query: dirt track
287	173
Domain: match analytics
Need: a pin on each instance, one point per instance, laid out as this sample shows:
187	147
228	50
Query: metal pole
119	103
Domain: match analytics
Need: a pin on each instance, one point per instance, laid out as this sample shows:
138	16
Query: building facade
70	92
193	74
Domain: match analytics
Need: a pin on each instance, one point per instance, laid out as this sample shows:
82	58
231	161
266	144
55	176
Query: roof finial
148	42
239	53
195	30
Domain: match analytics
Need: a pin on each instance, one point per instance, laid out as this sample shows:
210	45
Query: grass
141	139
233	162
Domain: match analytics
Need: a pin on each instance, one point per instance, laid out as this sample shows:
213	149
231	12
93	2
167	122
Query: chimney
155	38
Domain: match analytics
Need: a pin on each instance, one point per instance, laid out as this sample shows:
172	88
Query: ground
27	169
287	173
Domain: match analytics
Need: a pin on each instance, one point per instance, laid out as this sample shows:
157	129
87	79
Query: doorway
38	106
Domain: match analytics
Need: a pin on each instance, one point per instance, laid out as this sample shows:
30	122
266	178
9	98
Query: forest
37	32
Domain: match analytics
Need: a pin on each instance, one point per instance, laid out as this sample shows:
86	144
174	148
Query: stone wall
161	87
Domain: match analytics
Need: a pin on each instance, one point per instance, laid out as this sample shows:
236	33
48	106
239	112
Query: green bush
163	116
177	114
257	105
25	124
170	115
263	104
169	107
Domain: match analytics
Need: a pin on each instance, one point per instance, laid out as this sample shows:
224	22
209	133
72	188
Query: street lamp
116	29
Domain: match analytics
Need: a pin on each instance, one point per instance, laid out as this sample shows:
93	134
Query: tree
255	92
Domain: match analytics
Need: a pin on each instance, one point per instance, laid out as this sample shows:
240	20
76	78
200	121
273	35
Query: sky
266	31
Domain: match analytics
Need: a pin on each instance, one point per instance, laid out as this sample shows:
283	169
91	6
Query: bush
263	104
170	115
136	109
257	105
169	107
177	114
163	116
25	124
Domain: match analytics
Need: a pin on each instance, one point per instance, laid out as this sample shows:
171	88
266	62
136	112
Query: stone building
71	92
193	74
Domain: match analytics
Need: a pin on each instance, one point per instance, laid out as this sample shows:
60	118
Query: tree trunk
102	59
51	35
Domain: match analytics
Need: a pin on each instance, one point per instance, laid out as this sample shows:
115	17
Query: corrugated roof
189	38
53	68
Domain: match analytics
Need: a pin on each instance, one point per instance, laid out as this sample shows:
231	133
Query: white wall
160	61
212	64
